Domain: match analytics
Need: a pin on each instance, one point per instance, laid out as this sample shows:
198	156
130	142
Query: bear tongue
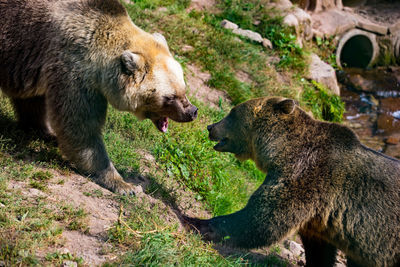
162	124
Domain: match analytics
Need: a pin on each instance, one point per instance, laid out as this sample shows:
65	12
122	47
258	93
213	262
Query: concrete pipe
357	49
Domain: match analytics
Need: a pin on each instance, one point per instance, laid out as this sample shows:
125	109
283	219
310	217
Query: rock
286	254
387	123
348	9
229	25
291	21
305	23
391	140
267	43
69	264
360	83
301	15
340	264
333	22
282	4
323	73
393	151
394	28
320	5
372	27
254	36
187	48
295	248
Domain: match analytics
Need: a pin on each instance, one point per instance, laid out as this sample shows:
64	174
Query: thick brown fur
321	181
62	61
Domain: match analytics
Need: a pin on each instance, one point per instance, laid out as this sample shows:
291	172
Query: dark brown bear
321	181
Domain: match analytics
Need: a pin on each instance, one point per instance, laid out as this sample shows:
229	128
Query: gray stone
394	28
282	4
301	15
372	27
267	43
291	21
305	23
323	73
286	254
332	22
294	247
187	48
229	25
254	36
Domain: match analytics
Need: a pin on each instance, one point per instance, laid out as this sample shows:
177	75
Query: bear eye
169	99
140	77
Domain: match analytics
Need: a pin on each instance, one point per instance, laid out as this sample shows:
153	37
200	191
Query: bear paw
113	181
124	188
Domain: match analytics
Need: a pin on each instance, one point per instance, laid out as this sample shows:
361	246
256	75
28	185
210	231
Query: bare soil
197	82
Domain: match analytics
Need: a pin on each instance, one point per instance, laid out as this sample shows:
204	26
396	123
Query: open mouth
162	124
221	143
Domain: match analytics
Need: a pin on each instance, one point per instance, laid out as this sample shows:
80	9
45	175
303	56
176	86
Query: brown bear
321	181
61	62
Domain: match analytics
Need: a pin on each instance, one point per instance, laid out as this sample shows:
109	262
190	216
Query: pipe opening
357	52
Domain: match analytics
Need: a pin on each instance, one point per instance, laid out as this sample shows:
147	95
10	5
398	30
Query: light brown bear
321	181
62	61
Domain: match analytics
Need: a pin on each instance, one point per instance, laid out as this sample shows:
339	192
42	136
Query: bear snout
193	112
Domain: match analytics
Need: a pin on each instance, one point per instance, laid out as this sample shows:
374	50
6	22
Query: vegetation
184	160
324	105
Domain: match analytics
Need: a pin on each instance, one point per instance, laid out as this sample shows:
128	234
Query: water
372	99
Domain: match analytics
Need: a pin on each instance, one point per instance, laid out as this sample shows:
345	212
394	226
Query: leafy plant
323	105
326	50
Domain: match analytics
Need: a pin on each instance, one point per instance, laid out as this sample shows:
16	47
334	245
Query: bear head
240	130
151	82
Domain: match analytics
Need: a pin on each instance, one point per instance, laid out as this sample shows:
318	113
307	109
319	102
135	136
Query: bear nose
209	127
194	113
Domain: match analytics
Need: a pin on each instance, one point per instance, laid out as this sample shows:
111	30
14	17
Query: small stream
372	99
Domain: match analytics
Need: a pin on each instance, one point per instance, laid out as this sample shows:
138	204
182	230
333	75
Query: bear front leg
273	212
77	120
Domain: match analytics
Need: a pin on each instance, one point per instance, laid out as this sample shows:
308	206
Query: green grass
257	15
185	162
216	50
27	223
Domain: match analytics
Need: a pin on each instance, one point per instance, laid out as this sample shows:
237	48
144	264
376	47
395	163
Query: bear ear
286	106
161	39
131	62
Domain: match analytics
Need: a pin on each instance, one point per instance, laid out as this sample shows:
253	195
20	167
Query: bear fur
62	61
321	181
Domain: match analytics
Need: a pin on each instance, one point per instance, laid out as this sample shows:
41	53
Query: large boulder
332	22
323	73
